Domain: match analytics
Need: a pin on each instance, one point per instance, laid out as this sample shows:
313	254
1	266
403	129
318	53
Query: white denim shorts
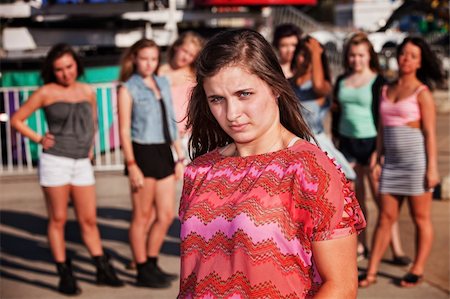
59	171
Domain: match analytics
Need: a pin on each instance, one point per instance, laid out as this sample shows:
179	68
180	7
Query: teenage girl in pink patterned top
264	212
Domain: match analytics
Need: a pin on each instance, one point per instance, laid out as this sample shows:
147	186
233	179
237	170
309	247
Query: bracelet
181	160
131	163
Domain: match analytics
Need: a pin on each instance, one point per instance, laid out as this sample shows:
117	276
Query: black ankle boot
67	282
148	276
106	275
169	276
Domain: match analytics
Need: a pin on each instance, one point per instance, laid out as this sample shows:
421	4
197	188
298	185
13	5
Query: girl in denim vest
148	131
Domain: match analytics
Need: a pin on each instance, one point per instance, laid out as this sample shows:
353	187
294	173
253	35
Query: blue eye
245	93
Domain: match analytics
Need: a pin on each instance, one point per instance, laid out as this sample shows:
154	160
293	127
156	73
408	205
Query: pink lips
238	127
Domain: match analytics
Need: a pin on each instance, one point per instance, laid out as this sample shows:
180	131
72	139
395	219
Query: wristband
181	160
131	163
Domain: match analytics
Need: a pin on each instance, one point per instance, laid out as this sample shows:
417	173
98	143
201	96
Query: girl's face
302	65
185	54
359	57
286	48
65	69
146	61
244	105
409	59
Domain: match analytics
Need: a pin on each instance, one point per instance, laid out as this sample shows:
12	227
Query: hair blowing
249	50
56	52
127	66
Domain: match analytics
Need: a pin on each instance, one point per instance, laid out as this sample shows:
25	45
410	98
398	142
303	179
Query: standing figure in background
406	155
147	131
65	169
263	211
312	85
180	71
355	121
285	39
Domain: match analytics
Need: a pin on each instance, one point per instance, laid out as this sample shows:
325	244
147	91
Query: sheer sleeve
338	213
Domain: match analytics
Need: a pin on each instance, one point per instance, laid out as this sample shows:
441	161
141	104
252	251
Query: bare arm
428	116
336	263
320	85
179	164
125	104
377	156
93	100
34	102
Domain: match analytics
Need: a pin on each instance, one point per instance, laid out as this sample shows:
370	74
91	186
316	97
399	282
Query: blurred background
100	30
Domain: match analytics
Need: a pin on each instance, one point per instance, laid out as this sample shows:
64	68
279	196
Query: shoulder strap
420	88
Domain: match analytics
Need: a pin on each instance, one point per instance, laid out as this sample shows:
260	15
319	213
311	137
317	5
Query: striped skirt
404	161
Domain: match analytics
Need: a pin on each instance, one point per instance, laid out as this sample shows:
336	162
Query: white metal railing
18	154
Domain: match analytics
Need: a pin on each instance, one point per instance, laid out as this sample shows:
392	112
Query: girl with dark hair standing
406	155
263	211
312	85
65	169
147	131
285	38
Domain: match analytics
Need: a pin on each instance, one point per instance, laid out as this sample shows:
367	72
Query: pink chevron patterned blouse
248	223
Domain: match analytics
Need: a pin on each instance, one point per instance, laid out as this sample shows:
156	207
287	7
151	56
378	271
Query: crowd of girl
385	130
265	174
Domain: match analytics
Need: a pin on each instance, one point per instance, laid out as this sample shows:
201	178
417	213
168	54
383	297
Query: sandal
401	260
367	279
411	280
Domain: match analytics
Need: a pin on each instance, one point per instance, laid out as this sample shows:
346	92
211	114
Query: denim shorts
59	171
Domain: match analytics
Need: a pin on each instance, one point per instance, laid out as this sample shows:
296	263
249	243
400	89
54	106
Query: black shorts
154	160
357	150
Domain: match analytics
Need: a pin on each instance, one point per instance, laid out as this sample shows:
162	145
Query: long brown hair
357	39
127	66
248	49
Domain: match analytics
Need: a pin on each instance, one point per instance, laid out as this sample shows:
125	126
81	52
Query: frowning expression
243	104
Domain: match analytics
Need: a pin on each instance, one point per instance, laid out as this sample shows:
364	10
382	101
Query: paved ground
27	270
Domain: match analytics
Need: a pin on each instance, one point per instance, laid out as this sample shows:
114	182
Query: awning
253	2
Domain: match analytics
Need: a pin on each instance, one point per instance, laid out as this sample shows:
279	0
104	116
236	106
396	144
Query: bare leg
85	206
420	207
142	202
388	215
165	205
57	199
360	193
396	244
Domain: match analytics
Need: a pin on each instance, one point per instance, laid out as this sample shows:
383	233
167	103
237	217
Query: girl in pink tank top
180	71
406	148
400	112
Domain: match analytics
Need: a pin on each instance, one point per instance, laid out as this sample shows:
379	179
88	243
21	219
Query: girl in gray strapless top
65	169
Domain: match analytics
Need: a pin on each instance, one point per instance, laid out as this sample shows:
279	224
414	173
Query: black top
165	128
72	125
